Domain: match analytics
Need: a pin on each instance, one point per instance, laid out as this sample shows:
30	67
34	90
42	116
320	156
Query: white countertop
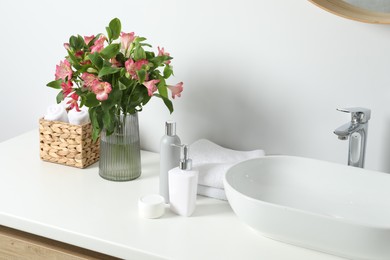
77	206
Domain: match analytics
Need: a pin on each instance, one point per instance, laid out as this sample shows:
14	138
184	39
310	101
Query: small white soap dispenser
183	184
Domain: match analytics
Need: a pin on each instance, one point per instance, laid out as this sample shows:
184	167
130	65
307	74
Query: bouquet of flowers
113	75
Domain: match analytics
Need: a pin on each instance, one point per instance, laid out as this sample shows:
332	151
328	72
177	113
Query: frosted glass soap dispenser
183	184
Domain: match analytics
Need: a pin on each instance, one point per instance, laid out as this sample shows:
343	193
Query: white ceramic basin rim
324	206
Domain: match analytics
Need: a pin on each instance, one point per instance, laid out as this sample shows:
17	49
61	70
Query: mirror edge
349	11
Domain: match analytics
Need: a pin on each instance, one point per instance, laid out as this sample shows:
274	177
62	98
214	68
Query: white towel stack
56	113
78	118
213	161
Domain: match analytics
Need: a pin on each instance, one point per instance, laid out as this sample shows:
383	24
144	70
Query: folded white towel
205	151
212	192
78	118
213	161
56	113
211	174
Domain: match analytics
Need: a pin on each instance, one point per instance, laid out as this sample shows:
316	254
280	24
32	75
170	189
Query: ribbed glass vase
120	152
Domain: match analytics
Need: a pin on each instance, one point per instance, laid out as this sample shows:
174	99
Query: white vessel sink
328	207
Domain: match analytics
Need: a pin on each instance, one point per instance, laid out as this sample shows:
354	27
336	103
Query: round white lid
151	206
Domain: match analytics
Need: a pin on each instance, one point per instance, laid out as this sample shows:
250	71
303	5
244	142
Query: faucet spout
356	131
343	138
344	131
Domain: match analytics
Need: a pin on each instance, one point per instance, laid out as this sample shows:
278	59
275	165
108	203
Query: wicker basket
67	144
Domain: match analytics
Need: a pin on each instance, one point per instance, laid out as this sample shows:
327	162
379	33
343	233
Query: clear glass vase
120	152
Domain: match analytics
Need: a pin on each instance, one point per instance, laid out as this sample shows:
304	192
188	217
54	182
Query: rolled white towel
78	118
56	113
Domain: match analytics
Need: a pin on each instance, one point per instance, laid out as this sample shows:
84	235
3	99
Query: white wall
257	74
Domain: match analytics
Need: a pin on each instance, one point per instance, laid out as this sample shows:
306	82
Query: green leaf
139	39
121	85
139	53
95	133
82	101
108	121
124	83
109	33
55	84
162	87
76	43
149	55
80	41
155	74
123	72
141	75
60	97
90	100
167	102
79	91
146	44
159	60
168	71
120	57
146	100
106	63
74	61
94	39
73	41
97	123
137	96
115	28
113	98
110	51
96	60
107	71
83	69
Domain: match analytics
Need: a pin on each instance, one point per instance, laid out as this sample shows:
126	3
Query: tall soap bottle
169	156
183	184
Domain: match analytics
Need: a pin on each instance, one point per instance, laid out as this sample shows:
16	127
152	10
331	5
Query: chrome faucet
356	131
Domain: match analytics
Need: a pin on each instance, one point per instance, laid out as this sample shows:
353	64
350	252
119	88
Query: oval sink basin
324	206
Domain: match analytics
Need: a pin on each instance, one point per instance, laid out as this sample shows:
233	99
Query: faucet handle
358	114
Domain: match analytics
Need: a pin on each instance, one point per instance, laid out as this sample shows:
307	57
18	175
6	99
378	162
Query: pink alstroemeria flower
67	46
161	52
85	62
151	86
89	79
88	39
115	63
79	54
66	88
101	89
73	102
126	40
63	70
98	46
132	67
176	90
